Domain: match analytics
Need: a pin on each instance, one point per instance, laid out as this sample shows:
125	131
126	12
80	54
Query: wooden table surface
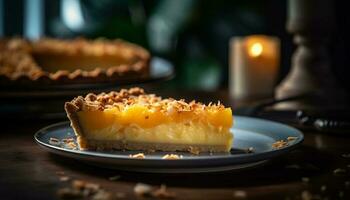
319	169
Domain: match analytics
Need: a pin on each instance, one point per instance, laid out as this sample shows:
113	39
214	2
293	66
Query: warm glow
256	49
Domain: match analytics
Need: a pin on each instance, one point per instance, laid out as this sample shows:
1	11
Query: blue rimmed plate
249	133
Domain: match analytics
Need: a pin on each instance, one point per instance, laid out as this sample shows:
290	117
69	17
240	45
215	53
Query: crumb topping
16	63
136	96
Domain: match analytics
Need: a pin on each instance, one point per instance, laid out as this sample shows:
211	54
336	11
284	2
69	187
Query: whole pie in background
56	61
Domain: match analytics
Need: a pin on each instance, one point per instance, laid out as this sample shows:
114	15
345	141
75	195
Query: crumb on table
163	193
145	190
80	189
142	189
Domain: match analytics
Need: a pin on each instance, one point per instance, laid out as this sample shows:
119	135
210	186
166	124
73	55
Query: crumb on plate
279	144
249	150
291	138
172	157
68	140
54	141
139	155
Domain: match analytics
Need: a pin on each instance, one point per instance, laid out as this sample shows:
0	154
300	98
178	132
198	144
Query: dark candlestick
311	22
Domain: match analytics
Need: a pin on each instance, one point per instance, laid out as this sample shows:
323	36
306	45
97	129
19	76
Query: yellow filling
147	118
138	123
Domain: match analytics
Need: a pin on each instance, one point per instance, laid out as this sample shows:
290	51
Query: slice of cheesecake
133	120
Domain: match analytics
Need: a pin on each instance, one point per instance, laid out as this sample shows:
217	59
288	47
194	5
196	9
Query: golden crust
71	110
17	60
147	147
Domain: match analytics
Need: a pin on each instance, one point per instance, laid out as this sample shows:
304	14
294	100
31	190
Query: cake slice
133	120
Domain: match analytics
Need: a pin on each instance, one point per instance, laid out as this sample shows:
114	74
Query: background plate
248	132
45	102
160	70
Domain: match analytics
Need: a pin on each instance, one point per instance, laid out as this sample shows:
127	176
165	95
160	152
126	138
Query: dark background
193	34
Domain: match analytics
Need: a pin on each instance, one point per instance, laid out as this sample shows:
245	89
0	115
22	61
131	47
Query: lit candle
254	62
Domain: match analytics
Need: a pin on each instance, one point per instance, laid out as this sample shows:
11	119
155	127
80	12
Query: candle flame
256	49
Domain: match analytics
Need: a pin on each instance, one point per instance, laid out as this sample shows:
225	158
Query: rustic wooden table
319	169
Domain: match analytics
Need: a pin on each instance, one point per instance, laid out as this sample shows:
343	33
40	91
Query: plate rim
258	156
